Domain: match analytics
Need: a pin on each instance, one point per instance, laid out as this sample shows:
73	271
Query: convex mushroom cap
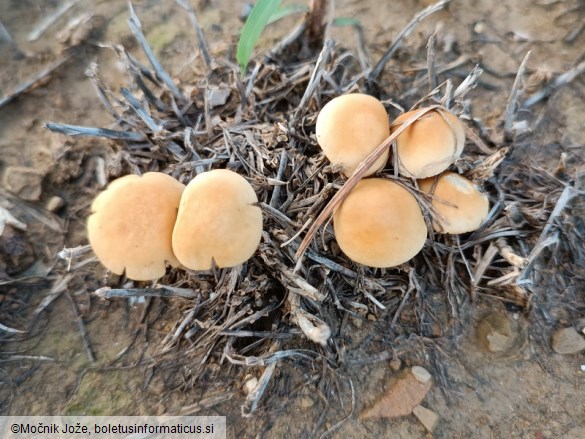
132	222
460	205
218	221
379	224
430	145
349	128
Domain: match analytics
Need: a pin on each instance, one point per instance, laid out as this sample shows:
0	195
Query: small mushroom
430	145
461	206
131	225
379	224
218	221
349	128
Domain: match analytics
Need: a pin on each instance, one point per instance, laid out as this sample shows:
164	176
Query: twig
512	106
6	218
203	47
314	328
319	20
253	398
135	27
546	239
431	67
263	334
33	82
314	81
140	111
26	357
482	266
274	199
48	21
80	131
59	287
82	329
509	254
163	291
468	83
420	16
10	330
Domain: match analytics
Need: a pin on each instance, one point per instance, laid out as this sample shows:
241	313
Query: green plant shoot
257	20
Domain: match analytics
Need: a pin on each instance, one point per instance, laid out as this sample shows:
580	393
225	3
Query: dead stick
512	106
135	27
82	329
80	131
186	4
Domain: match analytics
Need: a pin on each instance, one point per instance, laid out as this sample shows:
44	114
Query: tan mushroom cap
430	145
379	224
132	222
461	206
218	220
349	128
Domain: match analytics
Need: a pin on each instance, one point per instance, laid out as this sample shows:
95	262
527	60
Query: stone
427	417
54	203
24	182
567	341
406	392
421	374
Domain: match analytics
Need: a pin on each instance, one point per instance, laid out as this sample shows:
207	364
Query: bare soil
528	391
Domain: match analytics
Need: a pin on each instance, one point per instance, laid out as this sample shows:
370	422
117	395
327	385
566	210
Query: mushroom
131	225
379	224
349	128
218	221
460	205
430	145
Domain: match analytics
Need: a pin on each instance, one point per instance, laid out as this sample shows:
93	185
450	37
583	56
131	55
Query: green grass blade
345	21
287	11
257	20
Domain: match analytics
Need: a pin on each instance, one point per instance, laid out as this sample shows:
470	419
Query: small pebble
54	203
427	417
421	374
567	341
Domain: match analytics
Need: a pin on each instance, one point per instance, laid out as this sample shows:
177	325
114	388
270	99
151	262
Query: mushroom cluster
139	224
380	223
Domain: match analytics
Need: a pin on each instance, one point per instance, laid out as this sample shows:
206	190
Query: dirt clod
567	341
496	332
24	182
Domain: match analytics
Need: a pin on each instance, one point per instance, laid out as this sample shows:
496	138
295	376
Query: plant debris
262	126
